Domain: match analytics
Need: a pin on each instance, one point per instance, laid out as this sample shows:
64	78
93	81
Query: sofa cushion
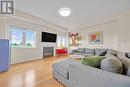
89	51
112	64
83	54
93	61
100	51
62	67
81	50
74	51
87	55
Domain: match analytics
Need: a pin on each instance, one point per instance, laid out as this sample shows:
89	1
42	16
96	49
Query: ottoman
60	71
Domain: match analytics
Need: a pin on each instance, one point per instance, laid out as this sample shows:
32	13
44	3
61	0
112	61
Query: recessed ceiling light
64	12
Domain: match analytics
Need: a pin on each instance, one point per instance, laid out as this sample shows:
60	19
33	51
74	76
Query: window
21	37
61	41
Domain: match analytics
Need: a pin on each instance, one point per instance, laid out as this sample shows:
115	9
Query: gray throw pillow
99	51
111	51
128	71
126	65
127	55
112	64
103	53
125	62
120	55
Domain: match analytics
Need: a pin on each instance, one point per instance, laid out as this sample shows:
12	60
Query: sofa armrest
85	76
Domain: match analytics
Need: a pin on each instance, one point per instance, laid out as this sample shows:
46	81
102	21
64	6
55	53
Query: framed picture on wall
96	37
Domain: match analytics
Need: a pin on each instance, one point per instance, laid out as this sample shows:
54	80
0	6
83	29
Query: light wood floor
31	74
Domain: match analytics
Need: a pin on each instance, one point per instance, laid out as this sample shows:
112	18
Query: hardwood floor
31	74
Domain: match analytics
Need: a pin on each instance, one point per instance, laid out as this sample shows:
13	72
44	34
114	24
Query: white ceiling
83	11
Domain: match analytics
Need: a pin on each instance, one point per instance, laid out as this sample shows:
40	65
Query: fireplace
48	52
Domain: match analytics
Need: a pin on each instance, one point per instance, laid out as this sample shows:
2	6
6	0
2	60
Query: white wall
116	33
25	54
124	33
3	27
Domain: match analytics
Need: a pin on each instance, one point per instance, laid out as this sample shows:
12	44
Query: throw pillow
103	53
99	51
127	55
126	65
93	61
111	51
121	55
128	71
125	62
112	64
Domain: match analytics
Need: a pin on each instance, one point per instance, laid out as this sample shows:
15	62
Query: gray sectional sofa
86	76
74	74
87	51
60	71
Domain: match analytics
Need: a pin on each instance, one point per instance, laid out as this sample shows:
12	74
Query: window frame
24	30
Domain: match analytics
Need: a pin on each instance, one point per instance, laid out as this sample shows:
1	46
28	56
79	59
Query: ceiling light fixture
64	12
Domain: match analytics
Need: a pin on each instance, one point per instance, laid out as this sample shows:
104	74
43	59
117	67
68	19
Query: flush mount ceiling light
64	12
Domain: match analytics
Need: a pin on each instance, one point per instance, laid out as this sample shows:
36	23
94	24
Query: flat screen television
48	37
